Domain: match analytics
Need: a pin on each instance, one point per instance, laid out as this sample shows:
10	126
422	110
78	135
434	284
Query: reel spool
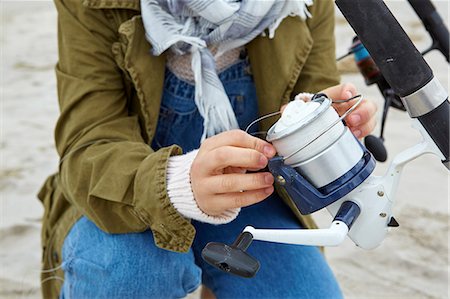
319	159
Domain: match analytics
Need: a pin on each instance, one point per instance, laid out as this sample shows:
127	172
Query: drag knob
376	147
232	258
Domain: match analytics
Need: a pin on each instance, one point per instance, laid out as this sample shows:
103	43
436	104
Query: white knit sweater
181	195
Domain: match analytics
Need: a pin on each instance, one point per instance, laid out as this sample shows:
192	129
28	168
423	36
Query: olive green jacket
109	89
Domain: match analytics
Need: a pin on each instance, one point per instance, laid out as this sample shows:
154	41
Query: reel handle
343	221
232	258
235	260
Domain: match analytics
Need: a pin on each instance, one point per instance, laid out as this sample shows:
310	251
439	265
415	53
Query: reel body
330	171
322	165
326	167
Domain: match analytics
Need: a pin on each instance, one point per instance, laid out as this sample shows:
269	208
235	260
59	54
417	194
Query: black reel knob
376	147
232	258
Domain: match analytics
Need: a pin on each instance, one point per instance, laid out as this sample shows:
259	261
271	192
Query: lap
98	264
101	265
287	271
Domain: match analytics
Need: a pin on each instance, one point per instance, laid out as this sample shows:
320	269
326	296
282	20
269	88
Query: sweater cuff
181	195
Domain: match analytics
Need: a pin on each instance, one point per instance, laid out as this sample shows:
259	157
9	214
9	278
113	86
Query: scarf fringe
292	9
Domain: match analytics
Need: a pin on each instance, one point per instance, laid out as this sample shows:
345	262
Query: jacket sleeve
107	170
320	70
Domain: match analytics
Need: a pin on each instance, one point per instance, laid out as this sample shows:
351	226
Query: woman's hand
218	177
362	120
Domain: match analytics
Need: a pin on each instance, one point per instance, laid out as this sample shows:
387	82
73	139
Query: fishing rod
439	34
320	164
434	25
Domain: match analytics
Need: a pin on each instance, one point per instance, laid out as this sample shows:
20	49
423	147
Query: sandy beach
413	261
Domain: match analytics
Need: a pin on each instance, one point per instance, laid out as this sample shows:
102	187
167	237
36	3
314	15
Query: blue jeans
101	265
179	119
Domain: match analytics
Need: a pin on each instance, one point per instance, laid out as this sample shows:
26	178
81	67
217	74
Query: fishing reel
321	164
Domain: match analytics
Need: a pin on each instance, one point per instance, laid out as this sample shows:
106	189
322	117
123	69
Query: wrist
180	191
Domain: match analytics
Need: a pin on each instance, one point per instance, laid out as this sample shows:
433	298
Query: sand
411	263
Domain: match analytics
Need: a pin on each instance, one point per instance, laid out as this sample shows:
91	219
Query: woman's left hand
362	120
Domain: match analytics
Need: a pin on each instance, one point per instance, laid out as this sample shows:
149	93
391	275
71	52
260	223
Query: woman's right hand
218	173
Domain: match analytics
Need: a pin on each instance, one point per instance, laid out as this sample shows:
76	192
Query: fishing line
262	133
260	119
347	100
52	278
26	293
50	270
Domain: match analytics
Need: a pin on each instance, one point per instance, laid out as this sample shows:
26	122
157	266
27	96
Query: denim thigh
287	271
101	265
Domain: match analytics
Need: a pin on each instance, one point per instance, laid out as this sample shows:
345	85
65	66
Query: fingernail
263	160
268	150
268	191
348	94
268	179
354	119
357	133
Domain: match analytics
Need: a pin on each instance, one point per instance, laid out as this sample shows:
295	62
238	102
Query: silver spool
318	145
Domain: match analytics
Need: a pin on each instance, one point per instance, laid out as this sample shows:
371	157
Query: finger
365	129
342	107
340	92
234	170
230	156
362	114
239	138
240	199
229	183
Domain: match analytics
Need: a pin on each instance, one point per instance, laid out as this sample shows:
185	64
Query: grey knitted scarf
190	26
